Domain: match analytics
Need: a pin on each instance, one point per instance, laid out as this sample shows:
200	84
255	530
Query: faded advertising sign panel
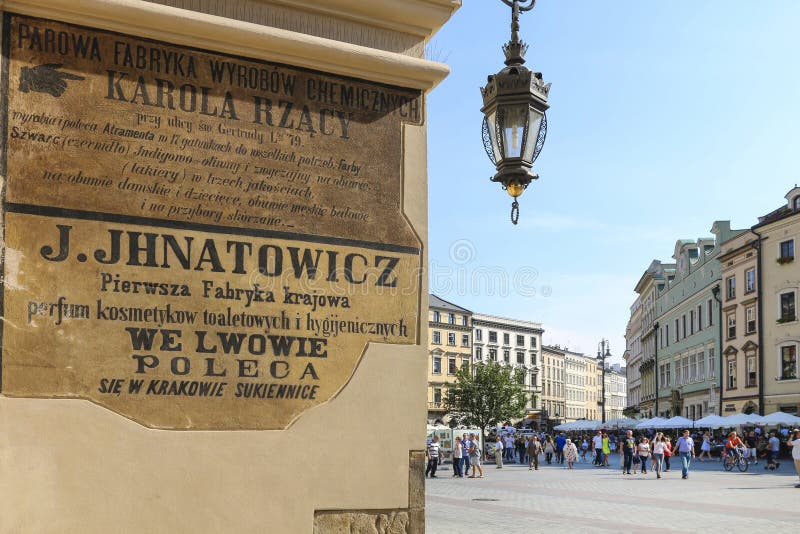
195	240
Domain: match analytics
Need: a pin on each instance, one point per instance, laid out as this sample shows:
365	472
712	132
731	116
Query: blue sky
665	116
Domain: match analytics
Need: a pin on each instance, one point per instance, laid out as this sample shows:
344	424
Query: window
520	357
479	335
677	330
751	371
732	374
451	318
797	203
533	342
436	317
520	341
437	395
492	336
693	368
731	319
787	307
465	340
786	250
464	321
533	359
665	336
749	280
683	320
699	316
788	362
685	370
437	338
730	287
478	353
451	366
710	309
451	339
691	322
507	356
493	354
437	365
701	366
506	339
712	366
750	319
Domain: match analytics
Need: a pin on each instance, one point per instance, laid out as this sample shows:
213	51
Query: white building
513	342
616	391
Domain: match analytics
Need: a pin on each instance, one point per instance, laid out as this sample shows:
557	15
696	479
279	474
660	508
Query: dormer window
693	253
797	203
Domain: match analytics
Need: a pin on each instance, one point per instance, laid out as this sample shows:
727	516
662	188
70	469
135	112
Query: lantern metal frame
515	86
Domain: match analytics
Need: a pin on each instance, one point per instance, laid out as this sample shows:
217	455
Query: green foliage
486	394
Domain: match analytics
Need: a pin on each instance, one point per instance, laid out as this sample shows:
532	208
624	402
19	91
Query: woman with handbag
549	449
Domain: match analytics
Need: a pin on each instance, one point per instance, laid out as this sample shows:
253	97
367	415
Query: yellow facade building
449	348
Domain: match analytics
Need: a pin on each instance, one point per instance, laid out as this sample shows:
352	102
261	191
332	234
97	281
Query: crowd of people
650	449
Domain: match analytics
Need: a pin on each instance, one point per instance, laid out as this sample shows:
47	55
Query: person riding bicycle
733	445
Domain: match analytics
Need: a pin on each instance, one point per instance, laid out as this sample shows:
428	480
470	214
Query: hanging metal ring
524	5
515	212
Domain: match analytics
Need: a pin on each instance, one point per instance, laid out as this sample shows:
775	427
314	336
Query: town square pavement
589	499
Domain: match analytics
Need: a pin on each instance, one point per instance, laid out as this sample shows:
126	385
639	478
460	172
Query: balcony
436	406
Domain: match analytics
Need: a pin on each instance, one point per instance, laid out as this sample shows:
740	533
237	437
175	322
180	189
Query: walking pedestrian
685	449
626	450
498	452
597	443
794	443
774	448
508	448
432	453
644	453
705	448
549	449
466	443
521	443
458	450
475	455
659	444
606	449
560	442
570	453
533	451
584	448
668	453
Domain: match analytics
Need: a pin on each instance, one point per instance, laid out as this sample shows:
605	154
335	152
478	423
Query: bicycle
737	459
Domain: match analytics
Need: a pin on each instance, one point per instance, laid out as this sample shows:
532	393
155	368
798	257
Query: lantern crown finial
515	49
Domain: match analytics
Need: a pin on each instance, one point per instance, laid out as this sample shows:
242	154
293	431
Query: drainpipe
760	319
715	292
655	356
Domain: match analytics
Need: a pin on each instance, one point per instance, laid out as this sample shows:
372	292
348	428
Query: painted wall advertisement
195	240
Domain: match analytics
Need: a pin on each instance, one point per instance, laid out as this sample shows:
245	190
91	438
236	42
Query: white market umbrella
780	418
677	422
743	419
655	422
711	421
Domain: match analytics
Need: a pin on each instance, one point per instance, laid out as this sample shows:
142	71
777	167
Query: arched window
797	203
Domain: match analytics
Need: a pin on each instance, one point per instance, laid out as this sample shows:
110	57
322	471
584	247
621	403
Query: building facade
512	342
449	348
633	353
779	234
688	313
741	353
554	406
616	392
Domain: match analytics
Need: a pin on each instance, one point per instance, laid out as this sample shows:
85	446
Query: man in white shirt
498	452
597	443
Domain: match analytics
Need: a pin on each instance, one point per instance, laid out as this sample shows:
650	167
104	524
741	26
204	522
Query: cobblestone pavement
590	499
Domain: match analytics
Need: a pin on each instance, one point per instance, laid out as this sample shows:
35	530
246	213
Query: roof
441	304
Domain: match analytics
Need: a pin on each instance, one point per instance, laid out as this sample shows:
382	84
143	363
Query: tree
486	394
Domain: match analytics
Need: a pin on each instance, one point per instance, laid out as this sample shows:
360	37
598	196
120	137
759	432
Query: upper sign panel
196	240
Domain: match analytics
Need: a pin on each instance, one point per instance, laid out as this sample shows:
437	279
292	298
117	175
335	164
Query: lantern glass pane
491	118
514	124
534	124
